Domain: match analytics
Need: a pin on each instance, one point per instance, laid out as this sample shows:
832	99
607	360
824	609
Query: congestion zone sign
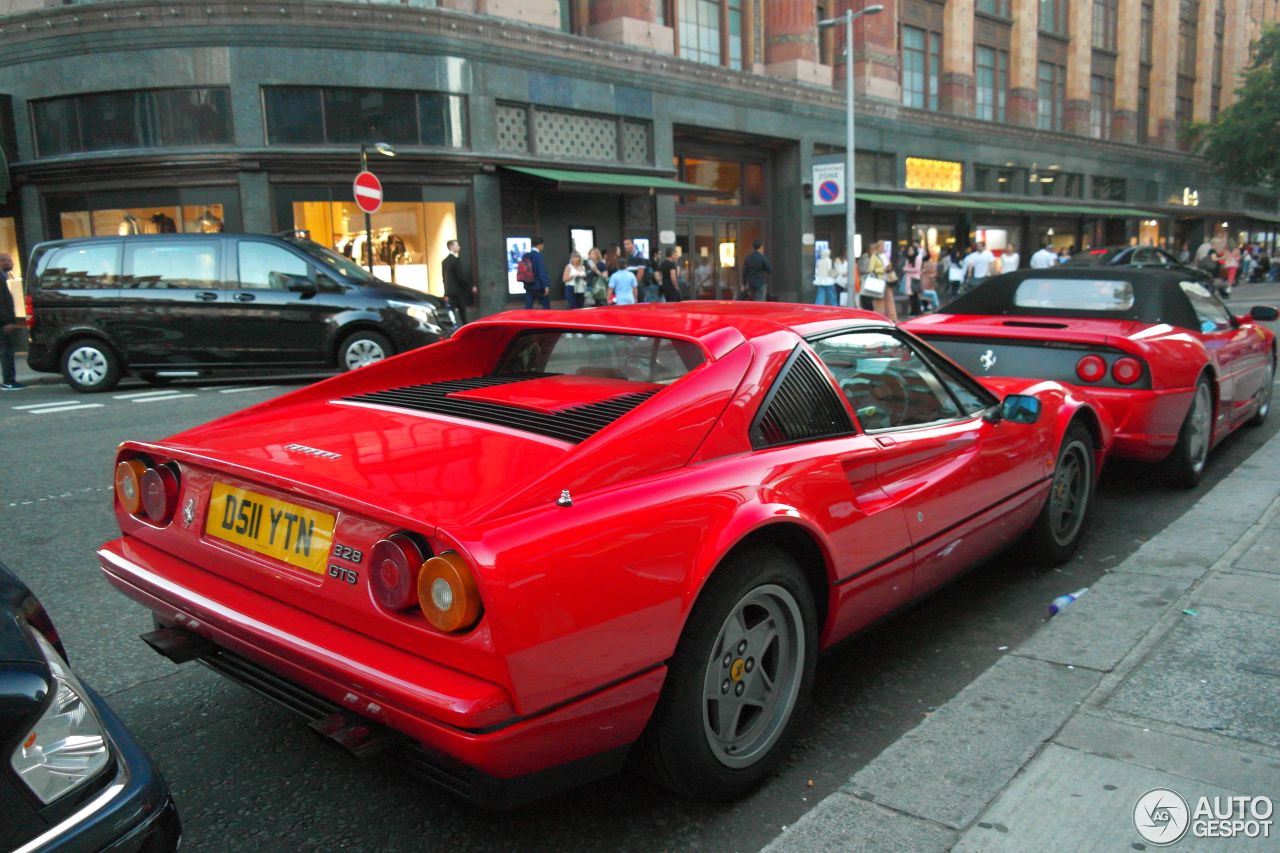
368	192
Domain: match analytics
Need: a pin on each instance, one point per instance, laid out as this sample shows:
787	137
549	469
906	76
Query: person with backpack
532	273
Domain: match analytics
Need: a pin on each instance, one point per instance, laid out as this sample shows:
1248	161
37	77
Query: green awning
1029	207
574	179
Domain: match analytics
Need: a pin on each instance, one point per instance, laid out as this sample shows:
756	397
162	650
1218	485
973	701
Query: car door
171	308
966	485
1236	350
279	307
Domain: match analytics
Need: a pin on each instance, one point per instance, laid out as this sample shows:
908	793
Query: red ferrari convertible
515	555
1175	369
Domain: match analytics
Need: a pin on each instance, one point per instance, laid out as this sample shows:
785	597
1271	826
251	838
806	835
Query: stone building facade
697	122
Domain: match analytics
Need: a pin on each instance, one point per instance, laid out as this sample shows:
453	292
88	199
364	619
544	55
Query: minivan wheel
363	348
89	366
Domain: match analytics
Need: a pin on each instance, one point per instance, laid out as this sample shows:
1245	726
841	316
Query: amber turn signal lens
129	484
160	493
393	571
447	593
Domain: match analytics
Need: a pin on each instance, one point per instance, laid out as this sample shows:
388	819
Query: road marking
245	388
76	493
138	395
173	396
54	408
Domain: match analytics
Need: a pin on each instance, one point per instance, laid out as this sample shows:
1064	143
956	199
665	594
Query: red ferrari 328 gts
1176	370
518	554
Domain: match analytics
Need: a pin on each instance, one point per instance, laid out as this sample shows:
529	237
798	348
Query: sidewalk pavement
1166	674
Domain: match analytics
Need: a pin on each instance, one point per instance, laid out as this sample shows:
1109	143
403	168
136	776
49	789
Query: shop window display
409	239
124	222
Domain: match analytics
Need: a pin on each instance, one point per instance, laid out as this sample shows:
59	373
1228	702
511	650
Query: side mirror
1021	409
1265	313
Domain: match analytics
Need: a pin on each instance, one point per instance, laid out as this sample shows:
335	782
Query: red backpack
524	270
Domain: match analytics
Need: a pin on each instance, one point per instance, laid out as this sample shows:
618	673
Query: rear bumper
1146	422
457	719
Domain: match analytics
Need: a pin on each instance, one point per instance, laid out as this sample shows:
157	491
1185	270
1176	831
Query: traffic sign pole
368	217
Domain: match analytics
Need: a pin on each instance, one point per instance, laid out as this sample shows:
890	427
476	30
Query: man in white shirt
1044	259
1009	260
977	266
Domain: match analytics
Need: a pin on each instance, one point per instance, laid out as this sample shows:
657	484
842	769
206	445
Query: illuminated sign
944	176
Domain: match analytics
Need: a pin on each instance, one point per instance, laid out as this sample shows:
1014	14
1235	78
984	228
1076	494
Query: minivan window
172	265
82	268
334	261
267	267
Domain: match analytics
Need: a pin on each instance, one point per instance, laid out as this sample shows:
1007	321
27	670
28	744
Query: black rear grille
802	406
573	425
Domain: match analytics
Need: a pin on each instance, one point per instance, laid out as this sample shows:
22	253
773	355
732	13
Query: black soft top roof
1157	296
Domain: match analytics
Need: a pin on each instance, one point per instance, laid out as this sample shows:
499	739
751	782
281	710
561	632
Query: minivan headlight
421	313
66	747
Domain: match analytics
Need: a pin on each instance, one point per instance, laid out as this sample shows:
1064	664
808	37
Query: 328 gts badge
343	552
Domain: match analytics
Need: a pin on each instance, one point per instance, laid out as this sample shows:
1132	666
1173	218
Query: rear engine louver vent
574	425
802	407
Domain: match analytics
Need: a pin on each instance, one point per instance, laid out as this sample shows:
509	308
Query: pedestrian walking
458	289
977	266
536	290
668	276
756	272
912	269
597	277
928	283
824	279
10	326
840	269
575	281
1045	258
623	285
1010	260
1230	267
878	269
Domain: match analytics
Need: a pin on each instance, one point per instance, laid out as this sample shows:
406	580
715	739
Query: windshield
636	358
335	261
1074	294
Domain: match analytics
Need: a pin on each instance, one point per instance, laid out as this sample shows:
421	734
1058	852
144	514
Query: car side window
1211	314
1145	255
267	267
94	267
888	383
177	264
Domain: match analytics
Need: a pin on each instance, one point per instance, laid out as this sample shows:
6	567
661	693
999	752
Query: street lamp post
387	151
850	205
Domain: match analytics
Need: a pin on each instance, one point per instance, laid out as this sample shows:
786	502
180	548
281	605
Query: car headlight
66	747
419	312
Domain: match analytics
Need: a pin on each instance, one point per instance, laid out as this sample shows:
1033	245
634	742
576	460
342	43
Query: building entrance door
714	250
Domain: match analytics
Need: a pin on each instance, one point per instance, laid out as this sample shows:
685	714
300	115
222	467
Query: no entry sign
368	192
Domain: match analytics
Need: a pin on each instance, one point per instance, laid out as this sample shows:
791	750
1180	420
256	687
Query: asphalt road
247	775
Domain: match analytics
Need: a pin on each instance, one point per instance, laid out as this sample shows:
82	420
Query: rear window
86	267
637	358
1074	294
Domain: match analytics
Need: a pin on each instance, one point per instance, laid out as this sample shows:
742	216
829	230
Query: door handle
207	296
243	297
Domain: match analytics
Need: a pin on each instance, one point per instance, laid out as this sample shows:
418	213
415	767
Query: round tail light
129	484
394	566
1091	368
448	594
159	493
1126	370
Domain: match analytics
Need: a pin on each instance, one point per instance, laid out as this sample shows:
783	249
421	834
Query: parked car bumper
464	727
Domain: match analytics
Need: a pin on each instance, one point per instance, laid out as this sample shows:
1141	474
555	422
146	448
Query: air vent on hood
573	424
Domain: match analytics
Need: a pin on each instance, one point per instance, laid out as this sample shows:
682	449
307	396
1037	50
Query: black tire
1264	396
363	348
90	366
687	747
1060	526
1185	465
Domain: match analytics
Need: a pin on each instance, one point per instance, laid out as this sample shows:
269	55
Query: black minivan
181	305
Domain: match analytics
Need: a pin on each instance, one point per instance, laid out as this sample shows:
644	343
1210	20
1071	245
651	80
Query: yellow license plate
293	534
